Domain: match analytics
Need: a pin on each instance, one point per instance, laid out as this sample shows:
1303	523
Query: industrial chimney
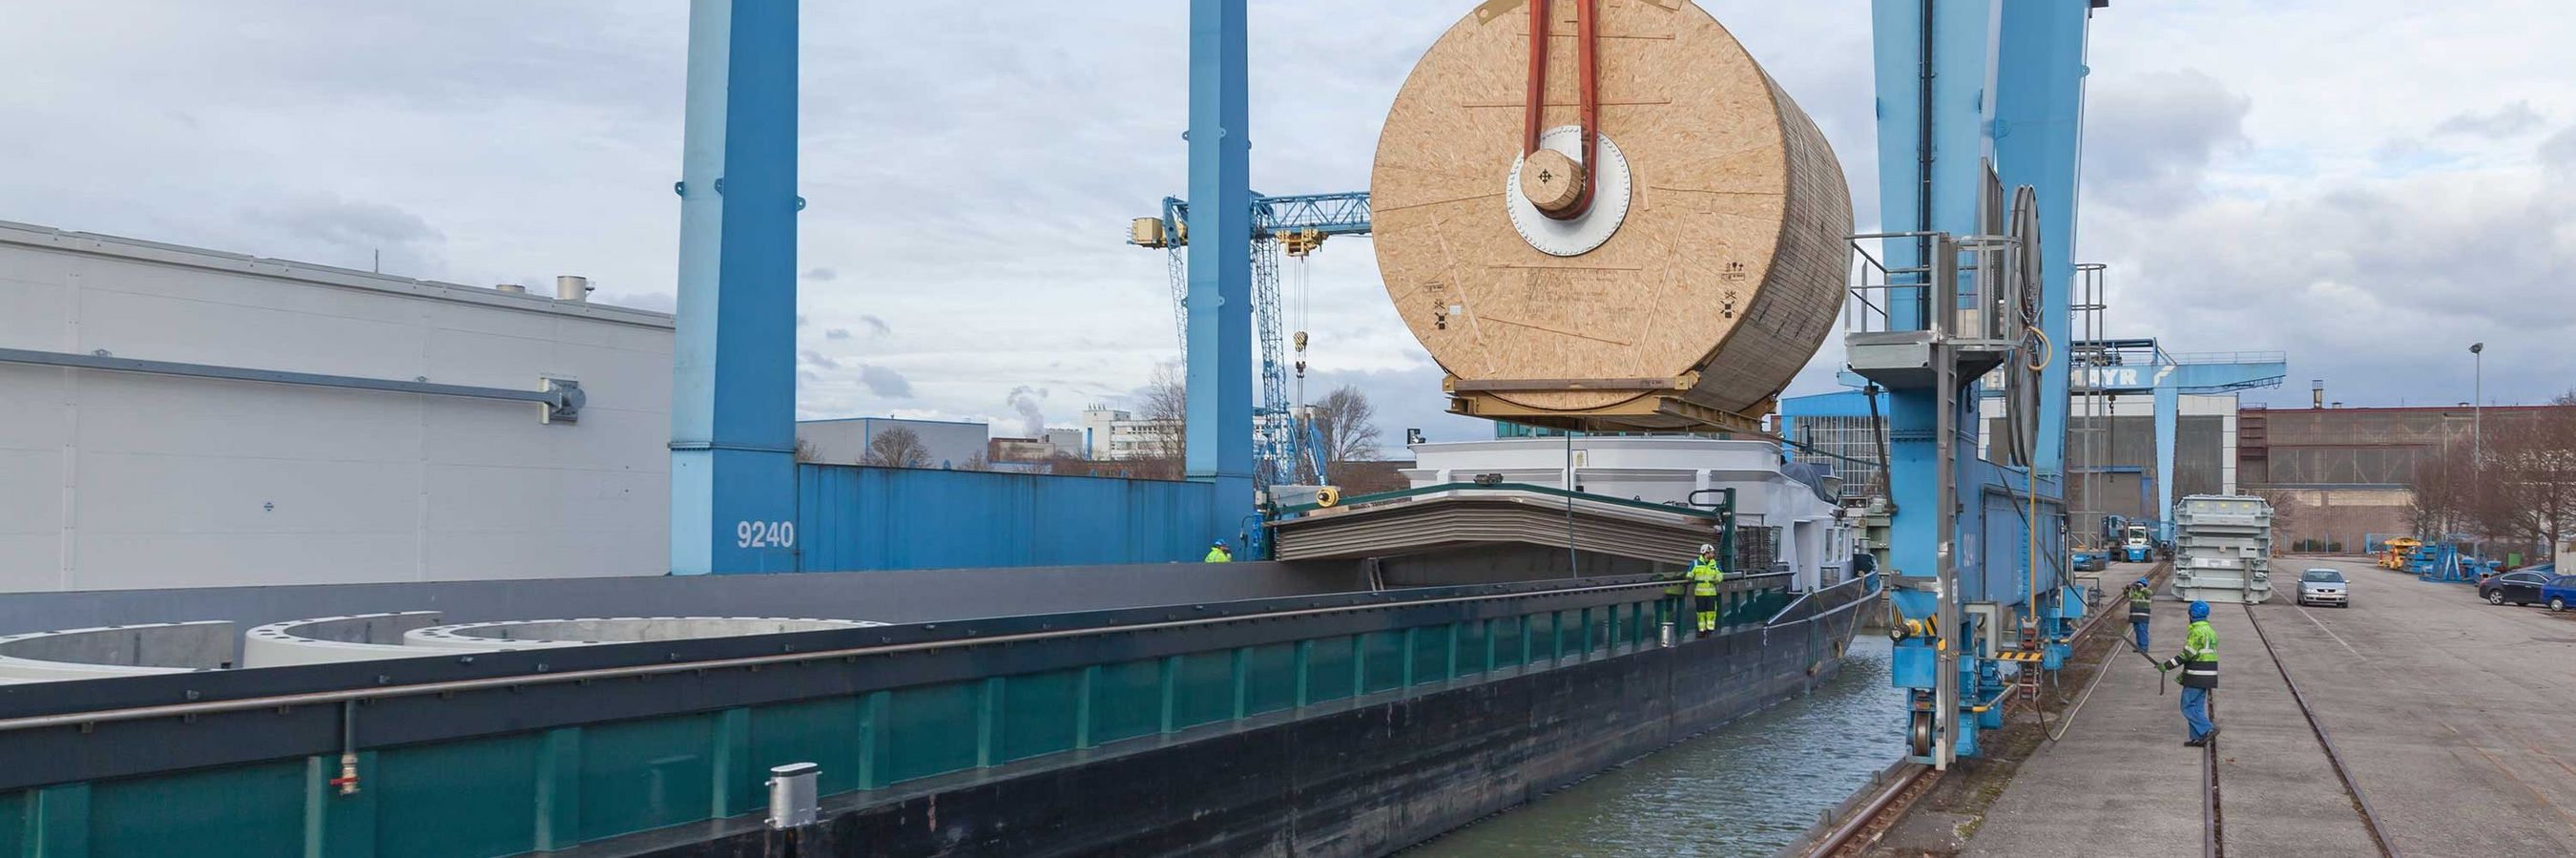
2316	393
571	288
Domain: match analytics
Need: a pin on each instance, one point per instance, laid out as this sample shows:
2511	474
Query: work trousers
1706	606
2195	711
2140	625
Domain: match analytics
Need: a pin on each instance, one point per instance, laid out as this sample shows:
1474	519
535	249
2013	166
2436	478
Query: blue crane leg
1220	272
2038	130
733	397
2168	414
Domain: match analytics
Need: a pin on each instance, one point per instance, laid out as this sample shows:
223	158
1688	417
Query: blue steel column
1961	50
2168	413
1933	114
1220	263
2038	134
733	395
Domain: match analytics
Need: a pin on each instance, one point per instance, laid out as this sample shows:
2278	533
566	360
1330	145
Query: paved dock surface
2453	716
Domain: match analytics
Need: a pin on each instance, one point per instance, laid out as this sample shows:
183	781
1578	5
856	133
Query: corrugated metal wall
2199	448
851	518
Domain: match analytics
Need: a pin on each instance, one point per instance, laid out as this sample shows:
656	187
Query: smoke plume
1024	399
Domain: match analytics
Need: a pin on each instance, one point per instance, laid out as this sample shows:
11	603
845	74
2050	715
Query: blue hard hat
2142	582
2200	610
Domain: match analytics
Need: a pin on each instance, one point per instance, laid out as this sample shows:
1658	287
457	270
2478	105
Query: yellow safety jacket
2199	657
1219	555
1704	576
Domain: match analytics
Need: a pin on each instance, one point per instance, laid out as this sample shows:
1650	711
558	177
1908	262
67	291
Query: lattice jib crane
1295	226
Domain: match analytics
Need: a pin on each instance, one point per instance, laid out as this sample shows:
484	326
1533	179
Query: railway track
2213	789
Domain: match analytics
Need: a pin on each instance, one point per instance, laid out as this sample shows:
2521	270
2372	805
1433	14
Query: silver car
2324	587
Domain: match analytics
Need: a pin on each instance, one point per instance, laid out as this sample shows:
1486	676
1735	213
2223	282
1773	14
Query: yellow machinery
2398	552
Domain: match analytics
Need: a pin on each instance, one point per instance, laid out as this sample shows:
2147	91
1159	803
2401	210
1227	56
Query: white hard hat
1705	548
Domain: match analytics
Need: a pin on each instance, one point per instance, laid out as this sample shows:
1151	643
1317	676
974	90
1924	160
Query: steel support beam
562	399
733	396
1219	444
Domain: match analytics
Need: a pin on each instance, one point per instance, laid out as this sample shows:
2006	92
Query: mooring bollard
1664	635
794	800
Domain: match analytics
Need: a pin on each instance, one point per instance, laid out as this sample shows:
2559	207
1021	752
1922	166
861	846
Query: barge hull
1363	782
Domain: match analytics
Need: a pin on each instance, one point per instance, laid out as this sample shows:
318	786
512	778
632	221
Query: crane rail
1898	789
2214	809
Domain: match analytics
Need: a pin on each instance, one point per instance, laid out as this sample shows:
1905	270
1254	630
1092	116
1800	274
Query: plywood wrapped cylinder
1723	266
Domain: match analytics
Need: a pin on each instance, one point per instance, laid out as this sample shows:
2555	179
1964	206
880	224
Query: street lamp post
2478	404
2477	428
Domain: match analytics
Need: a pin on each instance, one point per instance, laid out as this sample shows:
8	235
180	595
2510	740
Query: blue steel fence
852	518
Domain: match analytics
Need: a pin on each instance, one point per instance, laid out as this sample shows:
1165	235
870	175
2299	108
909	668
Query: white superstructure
114	480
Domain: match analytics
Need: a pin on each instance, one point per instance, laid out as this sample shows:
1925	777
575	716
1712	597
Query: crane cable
1534	120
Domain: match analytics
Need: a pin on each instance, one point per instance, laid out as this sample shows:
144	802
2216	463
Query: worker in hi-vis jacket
2142	603
2199	663
1704	576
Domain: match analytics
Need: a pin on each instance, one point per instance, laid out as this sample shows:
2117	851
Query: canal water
1745	789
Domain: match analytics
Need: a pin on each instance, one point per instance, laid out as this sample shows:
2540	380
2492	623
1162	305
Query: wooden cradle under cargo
1723	263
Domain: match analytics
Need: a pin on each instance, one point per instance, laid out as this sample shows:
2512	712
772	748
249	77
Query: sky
2368	185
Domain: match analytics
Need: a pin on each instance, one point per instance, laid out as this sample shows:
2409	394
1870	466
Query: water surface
1745	789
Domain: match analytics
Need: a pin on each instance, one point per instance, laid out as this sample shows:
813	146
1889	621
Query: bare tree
1165	412
897	448
805	452
2286	519
977	462
2526	488
1349	425
2441	490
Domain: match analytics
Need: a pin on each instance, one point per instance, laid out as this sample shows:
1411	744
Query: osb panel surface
1730	259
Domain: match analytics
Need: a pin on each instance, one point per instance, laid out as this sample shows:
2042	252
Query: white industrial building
177	417
1113	434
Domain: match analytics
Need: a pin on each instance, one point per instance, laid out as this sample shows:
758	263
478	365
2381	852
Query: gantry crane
1295	226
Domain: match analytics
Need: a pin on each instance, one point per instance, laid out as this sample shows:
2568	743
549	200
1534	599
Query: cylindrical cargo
1708	266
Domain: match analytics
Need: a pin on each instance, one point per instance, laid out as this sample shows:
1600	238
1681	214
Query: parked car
2324	587
2559	593
2519	588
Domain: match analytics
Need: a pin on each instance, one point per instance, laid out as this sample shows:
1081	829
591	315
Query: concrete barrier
543	634
112	651
323	640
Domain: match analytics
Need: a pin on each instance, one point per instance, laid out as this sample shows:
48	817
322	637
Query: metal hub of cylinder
1547	183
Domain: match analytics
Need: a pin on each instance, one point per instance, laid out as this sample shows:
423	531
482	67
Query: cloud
2376	284
816	360
2149	139
2506	121
837	334
352	233
293	134
2558	153
885	382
